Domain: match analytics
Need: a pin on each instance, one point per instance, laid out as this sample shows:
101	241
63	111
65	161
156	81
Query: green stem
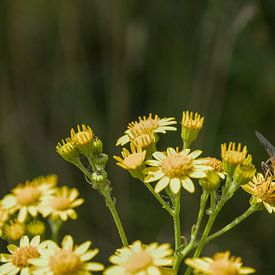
55	226
231	225
110	202
159	199
195	230
177	231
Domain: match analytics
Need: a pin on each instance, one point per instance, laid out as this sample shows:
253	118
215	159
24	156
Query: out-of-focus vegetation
106	62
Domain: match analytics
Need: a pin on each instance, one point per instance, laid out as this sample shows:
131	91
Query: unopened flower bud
97	146
67	150
99	177
211	182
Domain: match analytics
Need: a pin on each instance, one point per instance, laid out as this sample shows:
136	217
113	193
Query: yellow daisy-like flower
83	138
131	160
232	156
221	264
67	259
262	190
191	126
145	127
14	230
140	259
67	150
18	259
26	197
61	204
175	169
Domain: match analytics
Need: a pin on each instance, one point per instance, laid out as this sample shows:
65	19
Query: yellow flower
232	156
140	259
220	264
4	216
175	168
26	197
14	230
262	190
67	150
18	259
145	127
67	259
131	160
191	126
83	139
61	204
36	227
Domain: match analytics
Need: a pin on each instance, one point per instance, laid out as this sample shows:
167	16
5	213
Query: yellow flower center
144	125
14	231
266	191
21	256
60	203
36	228
27	195
176	165
83	137
64	262
138	262
133	161
215	164
224	267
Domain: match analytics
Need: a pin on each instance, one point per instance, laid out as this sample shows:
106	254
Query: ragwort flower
13	230
140	259
67	259
145	127
61	204
220	264
262	190
19	257
175	169
26	197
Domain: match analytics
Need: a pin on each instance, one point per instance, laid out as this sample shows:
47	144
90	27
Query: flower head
26	197
262	190
144	130
61	204
13	230
221	264
19	257
67	259
140	259
36	227
232	156
83	139
67	150
191	126
133	160
175	168
245	171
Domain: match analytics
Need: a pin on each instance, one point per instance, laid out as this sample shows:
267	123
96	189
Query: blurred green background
104	62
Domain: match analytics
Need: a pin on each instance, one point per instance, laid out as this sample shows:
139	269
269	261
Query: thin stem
177	231
110	202
231	225
159	199
55	226
195	230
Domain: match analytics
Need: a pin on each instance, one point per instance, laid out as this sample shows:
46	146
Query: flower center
60	203
266	191
133	161
27	195
83	137
176	165
64	262
215	164
224	267
138	262
14	231
21	256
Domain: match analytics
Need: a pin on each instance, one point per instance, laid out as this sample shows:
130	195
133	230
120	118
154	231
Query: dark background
103	63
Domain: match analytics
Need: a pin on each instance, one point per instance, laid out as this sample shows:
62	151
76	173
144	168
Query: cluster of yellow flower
25	209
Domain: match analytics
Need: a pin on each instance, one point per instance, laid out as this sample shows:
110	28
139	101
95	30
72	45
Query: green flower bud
211	182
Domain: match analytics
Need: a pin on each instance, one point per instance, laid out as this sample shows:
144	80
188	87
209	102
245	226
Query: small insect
269	165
